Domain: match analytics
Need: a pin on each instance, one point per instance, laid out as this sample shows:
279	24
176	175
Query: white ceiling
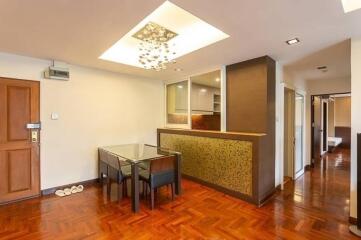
78	32
337	59
208	79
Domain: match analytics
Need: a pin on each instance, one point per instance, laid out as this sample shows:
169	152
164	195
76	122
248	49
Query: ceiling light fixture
190	33
154	50
351	5
178	69
292	41
217	79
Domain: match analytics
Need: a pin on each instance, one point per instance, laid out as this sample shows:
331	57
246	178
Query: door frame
312	163
4	77
303	150
300	173
324	124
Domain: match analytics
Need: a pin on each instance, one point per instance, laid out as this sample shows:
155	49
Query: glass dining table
135	154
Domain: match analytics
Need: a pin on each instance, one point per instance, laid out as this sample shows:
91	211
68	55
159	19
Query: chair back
103	156
113	161
162	165
162	171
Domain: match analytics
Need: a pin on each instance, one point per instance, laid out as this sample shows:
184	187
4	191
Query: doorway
294	126
19	139
331	124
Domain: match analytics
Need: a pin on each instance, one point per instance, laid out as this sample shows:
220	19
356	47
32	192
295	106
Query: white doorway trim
303	142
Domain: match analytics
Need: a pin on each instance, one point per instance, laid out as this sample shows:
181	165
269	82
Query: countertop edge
213	134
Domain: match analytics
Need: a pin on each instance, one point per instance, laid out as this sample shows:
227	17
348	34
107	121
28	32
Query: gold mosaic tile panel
224	162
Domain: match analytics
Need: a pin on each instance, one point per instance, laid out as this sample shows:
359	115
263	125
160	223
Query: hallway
320	198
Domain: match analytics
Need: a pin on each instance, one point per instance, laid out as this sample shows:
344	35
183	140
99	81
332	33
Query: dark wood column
251	89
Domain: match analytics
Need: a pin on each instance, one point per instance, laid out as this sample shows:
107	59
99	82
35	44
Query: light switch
54	116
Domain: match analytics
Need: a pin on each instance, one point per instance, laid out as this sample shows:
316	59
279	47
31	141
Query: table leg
135	188
178	174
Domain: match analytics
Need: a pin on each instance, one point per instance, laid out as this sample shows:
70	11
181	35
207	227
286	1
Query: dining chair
118	171
160	173
103	165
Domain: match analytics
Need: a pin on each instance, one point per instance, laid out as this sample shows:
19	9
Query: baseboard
19	200
84	183
268	196
352	220
307	167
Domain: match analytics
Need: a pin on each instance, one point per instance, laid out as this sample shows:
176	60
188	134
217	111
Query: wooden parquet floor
314	207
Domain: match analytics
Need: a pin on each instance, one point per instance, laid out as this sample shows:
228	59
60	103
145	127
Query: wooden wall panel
251	107
206	122
18	100
19	165
247	96
345	134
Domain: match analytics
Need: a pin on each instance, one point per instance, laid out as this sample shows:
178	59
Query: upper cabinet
203	100
204	89
177	103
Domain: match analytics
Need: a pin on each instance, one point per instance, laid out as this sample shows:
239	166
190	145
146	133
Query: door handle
33	125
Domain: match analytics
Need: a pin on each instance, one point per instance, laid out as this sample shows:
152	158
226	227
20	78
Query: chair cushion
144	165
161	178
126	170
157	179
144	175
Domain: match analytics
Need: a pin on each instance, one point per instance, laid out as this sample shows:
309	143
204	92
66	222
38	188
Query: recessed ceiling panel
351	5
191	33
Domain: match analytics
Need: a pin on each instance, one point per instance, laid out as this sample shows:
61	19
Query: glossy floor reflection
314	207
326	187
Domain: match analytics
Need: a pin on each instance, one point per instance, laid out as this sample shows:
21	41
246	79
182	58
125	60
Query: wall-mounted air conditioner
57	72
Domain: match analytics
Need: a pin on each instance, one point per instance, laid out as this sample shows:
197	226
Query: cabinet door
181	102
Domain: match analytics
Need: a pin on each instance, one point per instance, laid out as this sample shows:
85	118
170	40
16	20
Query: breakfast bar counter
238	164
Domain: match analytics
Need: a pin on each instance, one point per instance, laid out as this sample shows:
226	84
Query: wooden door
317	127
324	128
289	132
19	146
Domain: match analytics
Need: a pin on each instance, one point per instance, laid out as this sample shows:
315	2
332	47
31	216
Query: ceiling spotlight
292	41
180	86
217	79
203	90
178	69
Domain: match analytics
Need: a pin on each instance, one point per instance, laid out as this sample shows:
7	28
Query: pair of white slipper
69	191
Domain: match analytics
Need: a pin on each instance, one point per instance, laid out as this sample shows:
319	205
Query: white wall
355	118
343	112
96	108
326	86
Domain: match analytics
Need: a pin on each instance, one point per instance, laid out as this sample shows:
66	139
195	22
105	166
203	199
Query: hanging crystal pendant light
154	50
